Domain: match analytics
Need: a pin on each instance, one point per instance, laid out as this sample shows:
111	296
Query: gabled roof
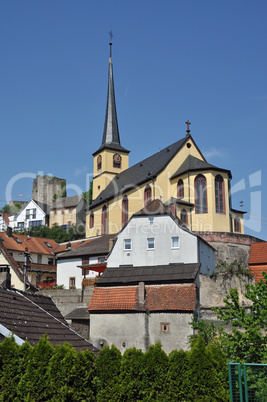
140	173
97	246
178	297
155	207
44	207
30	317
128	275
67	202
192	164
258	253
37	245
73	244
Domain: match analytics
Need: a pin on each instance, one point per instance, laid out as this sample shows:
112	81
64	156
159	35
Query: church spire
111	128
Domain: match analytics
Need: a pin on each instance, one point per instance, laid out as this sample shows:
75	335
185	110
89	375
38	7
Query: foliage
62	193
11	209
56	233
248	340
88	195
236	267
206	329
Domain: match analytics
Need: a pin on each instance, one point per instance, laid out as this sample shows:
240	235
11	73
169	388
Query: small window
127	244
99	162
92	220
237	225
39	258
47	244
164	327
147	195
175	242
55	212
151	243
28	213
101	260
70	210
85	260
72	282
62	212
117	161
184	217
34	213
151	220
50	261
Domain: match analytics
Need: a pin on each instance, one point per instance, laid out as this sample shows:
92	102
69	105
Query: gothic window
99	162
219	195
201	194
92	219
184	216
237	225
124	210
117	161
180	189
104	228
147	195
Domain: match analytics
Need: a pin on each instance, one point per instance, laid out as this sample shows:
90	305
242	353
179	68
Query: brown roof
258	253
6	217
19	242
177	297
74	244
96	246
30	317
155	207
67	202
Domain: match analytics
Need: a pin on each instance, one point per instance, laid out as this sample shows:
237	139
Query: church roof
140	173
111	136
192	164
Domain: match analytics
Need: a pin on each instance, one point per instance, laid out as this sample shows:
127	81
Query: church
195	191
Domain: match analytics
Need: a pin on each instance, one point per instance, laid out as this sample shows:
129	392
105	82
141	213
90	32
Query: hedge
47	373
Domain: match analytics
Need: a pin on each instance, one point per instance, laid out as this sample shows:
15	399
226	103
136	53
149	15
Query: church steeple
111	128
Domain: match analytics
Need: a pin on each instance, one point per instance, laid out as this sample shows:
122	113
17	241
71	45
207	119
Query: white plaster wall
206	258
163	228
19	256
140	330
21	217
68	269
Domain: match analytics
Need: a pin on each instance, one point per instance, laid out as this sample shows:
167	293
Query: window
34	213
70	210
150	243
124	210
237	225
39	258
219	195
117	161
50	261
184	216
55	212
62	212
151	220
201	194
101	260
21	225
69	223
175	242
85	260
180	189
92	220
164	327
99	162
28	213
72	282
147	195
47	244
104	223
127	244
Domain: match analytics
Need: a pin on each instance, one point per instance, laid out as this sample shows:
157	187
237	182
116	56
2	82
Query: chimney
5	276
9	231
141	295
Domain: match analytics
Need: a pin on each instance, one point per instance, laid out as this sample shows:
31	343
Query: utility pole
26	262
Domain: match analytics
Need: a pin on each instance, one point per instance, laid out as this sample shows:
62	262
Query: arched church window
92	219
219	194
147	195
237	225
184	216
104	222
117	161
201	195
180	189
124	210
99	162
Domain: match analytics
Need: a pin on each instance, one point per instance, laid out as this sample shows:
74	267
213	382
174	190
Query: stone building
45	188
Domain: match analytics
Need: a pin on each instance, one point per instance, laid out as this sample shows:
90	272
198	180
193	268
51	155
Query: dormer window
117	161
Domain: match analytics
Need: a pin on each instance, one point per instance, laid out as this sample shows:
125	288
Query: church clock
117	161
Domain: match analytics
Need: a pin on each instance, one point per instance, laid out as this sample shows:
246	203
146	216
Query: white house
150	289
33	214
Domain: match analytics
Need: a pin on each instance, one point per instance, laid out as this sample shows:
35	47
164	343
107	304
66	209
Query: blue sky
173	60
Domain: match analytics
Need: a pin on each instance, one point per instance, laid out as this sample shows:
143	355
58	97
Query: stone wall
230	246
68	300
45	187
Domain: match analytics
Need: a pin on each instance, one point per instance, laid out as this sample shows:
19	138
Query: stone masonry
45	187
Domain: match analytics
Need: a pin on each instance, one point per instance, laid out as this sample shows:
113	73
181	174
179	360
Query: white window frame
151	242
126	243
173	238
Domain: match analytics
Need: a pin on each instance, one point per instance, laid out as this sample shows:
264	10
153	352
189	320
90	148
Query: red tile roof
171	297
258	253
34	244
257	271
119	298
181	297
74	244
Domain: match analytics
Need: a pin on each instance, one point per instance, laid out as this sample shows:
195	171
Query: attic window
47	244
17	240
164	327
188	145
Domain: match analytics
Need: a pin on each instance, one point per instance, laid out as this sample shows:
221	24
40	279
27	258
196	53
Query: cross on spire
188	129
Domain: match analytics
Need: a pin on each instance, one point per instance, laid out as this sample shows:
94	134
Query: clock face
99	159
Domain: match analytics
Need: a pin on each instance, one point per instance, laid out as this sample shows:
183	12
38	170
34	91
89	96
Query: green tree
88	195
248	340
206	329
